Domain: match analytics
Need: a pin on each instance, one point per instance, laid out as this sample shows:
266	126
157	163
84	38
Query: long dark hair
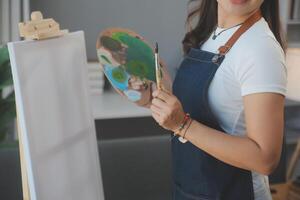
207	12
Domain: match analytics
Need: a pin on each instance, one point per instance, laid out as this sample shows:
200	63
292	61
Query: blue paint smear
108	69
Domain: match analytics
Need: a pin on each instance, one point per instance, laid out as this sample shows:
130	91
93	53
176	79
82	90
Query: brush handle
158	72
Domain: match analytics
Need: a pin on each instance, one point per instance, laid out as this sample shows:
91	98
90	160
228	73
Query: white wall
157	20
11	13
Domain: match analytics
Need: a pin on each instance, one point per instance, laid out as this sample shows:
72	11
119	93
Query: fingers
156	114
164	96
156	117
159	103
161	111
155	109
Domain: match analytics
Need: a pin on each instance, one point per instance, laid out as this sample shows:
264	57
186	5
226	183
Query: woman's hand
167	110
144	87
137	84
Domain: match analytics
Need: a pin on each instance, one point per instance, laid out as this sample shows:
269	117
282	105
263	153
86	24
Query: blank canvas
55	118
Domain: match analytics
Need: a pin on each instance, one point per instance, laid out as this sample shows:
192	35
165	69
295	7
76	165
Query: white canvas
55	118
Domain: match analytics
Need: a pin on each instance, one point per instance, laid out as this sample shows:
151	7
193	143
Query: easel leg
25	188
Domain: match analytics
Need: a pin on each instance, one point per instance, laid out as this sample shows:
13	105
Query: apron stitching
192	58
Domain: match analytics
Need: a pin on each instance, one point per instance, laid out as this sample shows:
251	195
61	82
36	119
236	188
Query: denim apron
196	174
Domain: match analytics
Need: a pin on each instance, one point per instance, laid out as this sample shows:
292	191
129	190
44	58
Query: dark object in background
107	85
279	175
297	182
121	128
7	103
136	168
10	173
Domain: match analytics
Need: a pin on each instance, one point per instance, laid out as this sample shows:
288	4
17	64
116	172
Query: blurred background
135	161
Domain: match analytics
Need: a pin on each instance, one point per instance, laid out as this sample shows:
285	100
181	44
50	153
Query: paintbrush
157	68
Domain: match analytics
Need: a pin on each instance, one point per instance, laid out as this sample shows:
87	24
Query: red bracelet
190	122
182	125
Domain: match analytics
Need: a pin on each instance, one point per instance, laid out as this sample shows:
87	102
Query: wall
156	20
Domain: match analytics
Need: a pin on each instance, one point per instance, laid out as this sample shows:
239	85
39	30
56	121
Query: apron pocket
179	194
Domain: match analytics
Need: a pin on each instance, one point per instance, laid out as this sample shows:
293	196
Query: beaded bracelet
190	122
182	138
183	123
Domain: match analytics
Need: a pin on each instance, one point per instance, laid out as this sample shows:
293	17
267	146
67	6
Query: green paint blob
110	43
119	75
137	68
140	57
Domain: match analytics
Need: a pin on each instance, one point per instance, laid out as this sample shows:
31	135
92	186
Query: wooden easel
25	187
37	29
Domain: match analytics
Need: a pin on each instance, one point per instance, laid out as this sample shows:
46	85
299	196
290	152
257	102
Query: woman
227	102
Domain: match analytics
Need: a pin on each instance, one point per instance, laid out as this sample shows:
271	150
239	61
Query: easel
25	187
37	29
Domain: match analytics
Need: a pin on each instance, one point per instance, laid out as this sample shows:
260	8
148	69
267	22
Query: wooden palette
122	54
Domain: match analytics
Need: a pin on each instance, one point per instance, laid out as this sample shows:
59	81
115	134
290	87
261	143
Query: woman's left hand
166	109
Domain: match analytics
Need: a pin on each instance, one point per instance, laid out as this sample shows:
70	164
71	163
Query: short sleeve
263	70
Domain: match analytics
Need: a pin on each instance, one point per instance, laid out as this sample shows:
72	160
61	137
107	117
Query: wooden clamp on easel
36	29
39	28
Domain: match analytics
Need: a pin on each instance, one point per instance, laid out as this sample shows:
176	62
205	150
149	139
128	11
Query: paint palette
122	54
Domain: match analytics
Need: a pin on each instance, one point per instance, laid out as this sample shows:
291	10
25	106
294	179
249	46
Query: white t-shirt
256	63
